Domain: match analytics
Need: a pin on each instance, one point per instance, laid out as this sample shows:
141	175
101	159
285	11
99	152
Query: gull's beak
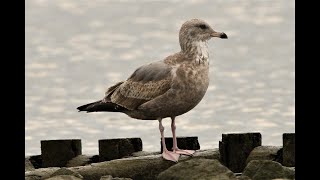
221	35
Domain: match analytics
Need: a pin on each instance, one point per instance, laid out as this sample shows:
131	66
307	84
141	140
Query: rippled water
75	49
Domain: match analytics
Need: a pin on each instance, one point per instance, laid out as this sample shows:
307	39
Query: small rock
94	159
65	171
64	177
56	153
110	149
265	153
266	169
190	143
289	149
195	169
28	165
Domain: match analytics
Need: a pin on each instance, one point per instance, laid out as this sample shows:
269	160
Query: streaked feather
146	83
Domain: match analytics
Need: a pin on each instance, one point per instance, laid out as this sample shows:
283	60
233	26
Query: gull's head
196	30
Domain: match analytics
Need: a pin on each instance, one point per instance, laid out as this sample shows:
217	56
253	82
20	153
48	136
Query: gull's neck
197	51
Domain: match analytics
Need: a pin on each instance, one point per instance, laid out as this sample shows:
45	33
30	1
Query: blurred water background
75	49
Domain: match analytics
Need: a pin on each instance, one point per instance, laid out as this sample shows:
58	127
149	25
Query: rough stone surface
235	149
56	153
41	173
243	178
265	153
207	154
266	170
190	143
108	177
144	153
80	160
33	177
195	169
289	149
65	171
28	165
110	149
64	177
144	167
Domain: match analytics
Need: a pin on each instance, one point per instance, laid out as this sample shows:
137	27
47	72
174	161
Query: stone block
110	149
56	153
235	149
190	143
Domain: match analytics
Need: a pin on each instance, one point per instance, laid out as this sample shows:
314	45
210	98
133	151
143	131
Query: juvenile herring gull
166	88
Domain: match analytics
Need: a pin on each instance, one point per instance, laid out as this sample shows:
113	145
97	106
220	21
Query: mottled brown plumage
165	88
170	87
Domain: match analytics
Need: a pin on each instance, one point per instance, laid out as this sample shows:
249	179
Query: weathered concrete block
36	161
110	149
235	149
266	169
136	143
190	143
289	149
273	153
56	153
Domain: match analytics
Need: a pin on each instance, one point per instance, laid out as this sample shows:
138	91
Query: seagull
166	88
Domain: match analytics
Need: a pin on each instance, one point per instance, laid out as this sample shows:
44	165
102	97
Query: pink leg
175	146
168	155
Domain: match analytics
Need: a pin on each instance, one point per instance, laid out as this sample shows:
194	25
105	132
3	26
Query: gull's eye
202	26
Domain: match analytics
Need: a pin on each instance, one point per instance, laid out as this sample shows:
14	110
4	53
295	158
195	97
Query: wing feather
146	83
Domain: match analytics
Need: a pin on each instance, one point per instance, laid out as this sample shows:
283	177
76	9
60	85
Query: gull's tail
100	106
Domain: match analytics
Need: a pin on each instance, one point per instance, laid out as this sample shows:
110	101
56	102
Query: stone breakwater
239	156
